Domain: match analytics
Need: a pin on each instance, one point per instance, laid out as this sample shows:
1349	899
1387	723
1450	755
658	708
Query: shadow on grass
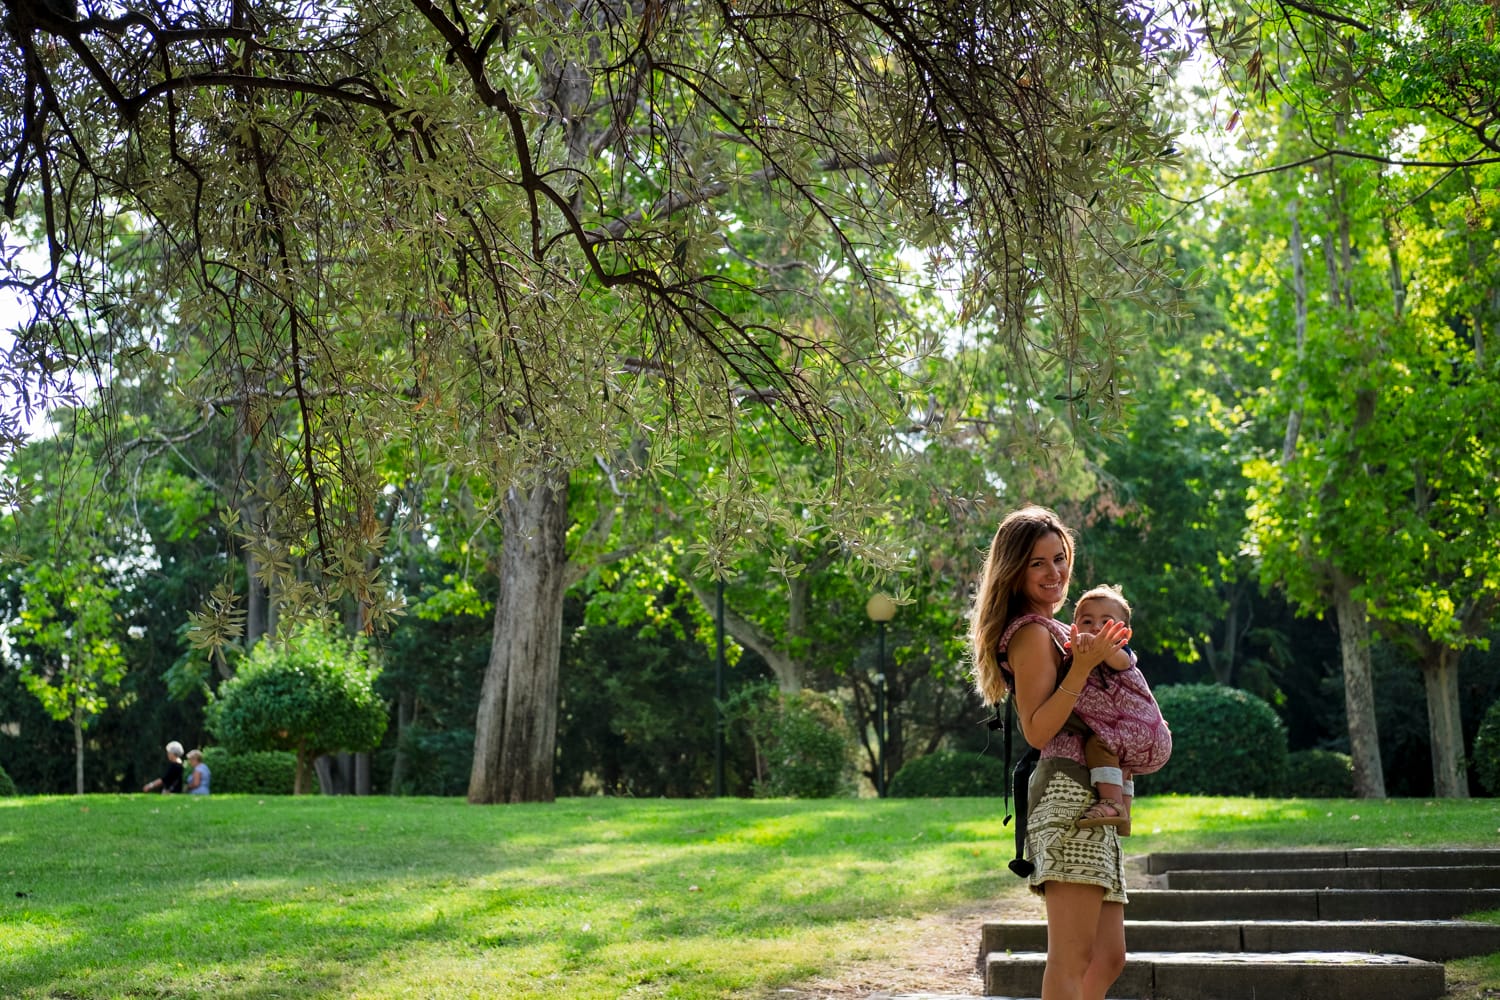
247	899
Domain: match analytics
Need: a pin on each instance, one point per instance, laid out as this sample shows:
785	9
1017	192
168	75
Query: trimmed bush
7	787
311	692
1487	750
1224	742
1319	774
949	774
260	772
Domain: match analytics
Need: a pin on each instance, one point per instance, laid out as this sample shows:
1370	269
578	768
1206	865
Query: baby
1126	732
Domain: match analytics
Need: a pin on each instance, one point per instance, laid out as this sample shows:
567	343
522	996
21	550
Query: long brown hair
998	599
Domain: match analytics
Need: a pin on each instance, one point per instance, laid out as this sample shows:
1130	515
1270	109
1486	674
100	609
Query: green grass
427	899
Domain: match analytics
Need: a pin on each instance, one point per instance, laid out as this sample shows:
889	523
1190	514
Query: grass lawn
427	899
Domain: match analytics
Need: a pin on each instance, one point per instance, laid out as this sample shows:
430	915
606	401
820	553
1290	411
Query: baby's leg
1106	776
1127	795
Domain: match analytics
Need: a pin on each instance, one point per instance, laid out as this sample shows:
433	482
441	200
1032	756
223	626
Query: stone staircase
1282	925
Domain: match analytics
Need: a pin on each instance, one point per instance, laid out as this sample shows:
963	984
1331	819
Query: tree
70	653
311	692
1372	505
504	236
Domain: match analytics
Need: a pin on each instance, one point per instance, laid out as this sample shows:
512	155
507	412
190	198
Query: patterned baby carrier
1117	705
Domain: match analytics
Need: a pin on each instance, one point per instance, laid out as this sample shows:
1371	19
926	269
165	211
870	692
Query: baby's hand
1095	647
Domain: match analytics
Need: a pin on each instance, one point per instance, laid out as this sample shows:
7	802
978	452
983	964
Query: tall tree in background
66	632
502	235
1372	505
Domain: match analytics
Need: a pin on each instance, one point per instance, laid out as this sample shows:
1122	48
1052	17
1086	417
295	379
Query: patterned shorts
1059	792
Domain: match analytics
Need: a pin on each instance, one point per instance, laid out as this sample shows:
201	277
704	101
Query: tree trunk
1299	288
252	516
798	597
1450	778
78	747
515	732
406	707
1359	693
299	776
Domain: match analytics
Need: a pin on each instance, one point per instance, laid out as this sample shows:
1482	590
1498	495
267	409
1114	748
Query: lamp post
880	608
719	693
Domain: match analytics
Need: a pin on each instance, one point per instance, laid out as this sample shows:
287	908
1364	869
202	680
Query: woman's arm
194	779
1043	704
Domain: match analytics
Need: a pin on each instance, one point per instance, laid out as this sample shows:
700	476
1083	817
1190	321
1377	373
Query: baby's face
1092	614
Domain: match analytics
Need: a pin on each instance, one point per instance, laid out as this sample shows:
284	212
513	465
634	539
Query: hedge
1224	742
949	774
260	772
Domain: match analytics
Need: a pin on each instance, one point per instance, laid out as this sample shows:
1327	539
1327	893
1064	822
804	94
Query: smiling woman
1019	649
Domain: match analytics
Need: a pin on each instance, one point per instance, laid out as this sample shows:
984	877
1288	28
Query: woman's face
1044	584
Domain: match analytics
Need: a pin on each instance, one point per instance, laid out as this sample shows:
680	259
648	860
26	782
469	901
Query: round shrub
1224	742
7	787
257	772
312	692
1487	750
948	774
1319	774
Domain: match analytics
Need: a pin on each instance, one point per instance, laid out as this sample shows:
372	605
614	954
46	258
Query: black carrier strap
1020	775
1019	778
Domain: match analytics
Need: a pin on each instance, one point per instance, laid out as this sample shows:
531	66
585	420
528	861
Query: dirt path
940	954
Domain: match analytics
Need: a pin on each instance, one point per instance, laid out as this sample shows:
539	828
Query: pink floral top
1064	744
1120	709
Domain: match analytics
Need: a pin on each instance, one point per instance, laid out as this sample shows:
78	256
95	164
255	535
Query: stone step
1308	904
1239	976
1430	940
1361	857
1419	877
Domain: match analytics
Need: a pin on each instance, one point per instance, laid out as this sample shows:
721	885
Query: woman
198	773
1018	648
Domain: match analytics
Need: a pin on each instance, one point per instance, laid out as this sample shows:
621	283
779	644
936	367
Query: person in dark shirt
170	781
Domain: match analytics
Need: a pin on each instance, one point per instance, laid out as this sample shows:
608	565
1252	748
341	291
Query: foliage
311	692
253	772
1224	741
653	255
435	761
638	715
1318	774
1486	752
432	665
1380	500
7	787
67	639
947	773
802	742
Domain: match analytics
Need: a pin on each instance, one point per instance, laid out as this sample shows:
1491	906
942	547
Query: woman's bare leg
1108	959
1074	918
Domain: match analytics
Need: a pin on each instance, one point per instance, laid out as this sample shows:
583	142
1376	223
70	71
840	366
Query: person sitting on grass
170	781
198	773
